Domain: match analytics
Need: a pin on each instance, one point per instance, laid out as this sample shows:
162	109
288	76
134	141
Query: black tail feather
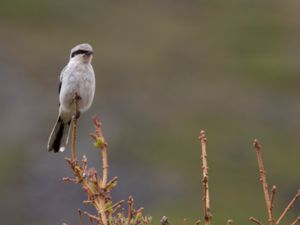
57	141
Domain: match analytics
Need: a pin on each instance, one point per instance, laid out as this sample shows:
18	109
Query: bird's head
82	52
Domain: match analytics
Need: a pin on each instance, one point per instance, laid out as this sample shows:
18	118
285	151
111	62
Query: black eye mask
79	52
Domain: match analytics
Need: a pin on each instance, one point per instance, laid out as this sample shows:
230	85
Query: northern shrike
77	77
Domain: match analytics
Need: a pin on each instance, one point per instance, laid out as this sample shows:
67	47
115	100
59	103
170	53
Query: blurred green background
165	70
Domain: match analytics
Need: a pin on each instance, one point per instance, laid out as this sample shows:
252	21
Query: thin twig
273	193
74	129
296	221
130	209
100	142
87	202
206	202
263	179
114	207
91	216
80	217
289	206
91	221
119	203
68	179
104	166
112	182
255	221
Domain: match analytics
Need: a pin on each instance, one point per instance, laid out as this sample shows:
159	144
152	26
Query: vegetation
108	212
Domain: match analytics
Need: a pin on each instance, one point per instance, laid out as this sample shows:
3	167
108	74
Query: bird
77	78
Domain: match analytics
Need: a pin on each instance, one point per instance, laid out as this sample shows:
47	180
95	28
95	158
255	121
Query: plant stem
207	211
263	180
289	206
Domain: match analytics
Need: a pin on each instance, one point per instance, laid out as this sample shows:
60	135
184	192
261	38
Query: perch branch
74	129
98	188
207	211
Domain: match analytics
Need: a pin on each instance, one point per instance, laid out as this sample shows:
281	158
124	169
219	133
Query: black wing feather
59	87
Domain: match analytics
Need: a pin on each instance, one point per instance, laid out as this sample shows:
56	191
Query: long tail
58	139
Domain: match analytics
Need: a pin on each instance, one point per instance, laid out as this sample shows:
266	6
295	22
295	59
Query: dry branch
289	206
273	193
101	143
207	211
130	209
80	217
263	180
97	192
270	200
255	221
98	189
296	221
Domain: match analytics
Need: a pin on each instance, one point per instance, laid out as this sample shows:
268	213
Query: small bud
98	143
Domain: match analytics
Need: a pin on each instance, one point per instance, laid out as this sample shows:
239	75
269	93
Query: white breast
79	78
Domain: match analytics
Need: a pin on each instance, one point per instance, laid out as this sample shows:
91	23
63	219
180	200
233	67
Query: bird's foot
76	115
